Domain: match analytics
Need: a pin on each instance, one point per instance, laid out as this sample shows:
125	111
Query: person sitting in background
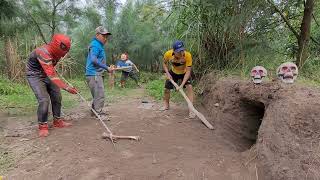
45	83
127	71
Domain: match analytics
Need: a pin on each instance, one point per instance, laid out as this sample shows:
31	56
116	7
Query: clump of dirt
281	120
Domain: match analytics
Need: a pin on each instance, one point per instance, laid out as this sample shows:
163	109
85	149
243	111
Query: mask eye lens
63	47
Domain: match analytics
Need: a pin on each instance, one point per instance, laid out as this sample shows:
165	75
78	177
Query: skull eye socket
254	71
293	68
284	68
261	71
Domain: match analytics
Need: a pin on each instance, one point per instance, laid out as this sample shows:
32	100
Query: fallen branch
191	107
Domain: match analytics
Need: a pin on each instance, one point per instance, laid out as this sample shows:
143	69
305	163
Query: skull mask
287	72
257	74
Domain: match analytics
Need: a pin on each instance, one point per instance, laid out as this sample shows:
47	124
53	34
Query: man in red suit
45	82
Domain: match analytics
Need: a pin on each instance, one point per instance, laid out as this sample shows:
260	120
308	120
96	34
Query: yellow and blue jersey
178	66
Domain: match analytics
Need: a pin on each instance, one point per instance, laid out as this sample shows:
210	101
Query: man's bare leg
166	99
190	95
122	83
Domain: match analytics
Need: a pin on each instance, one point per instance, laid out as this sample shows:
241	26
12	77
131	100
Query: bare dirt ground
172	147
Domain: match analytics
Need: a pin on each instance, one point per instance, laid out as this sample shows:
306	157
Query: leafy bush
9	88
146	77
155	89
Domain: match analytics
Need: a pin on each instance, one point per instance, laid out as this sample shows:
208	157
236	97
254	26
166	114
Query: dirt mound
281	120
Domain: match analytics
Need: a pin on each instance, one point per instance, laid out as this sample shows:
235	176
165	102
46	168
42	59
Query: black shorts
125	75
178	78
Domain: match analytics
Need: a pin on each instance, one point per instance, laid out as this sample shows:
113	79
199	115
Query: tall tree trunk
13	65
8	55
304	37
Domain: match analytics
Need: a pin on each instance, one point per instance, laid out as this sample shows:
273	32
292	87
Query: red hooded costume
43	60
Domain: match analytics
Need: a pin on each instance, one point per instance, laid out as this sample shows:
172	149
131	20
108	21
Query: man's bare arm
186	76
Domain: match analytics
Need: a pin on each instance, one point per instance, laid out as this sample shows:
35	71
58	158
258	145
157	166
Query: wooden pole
111	80
122	68
110	134
136	68
191	107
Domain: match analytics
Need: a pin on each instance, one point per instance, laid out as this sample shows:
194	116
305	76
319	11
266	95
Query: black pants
132	75
46	91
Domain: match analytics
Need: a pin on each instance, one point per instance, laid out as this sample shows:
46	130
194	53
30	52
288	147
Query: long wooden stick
122	68
136	68
191	107
110	135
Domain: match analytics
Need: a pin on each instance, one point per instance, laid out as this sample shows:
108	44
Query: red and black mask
59	46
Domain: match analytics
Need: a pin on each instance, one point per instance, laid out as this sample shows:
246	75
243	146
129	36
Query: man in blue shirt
95	66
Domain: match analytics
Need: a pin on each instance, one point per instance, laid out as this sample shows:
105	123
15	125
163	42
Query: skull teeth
287	77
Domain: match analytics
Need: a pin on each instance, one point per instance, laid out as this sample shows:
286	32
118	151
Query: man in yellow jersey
180	61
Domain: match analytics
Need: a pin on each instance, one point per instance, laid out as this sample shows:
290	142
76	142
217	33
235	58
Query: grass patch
155	88
6	161
18	99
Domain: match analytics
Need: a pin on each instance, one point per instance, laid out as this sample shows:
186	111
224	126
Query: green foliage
6	160
18	99
9	88
8	9
230	36
49	15
156	89
146	77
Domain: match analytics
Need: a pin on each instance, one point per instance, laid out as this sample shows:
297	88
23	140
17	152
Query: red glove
72	90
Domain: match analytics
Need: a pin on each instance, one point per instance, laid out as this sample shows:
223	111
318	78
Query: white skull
258	73
287	72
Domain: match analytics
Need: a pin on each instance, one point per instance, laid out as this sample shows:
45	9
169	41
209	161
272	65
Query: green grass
6	161
155	88
18	99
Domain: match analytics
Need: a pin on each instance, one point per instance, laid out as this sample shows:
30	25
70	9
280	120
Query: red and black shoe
60	123
43	130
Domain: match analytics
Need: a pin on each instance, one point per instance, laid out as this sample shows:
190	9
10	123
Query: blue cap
178	46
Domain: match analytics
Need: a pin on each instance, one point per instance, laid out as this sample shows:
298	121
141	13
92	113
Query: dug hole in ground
267	132
275	124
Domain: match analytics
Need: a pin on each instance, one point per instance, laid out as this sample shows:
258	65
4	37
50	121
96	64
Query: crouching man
123	63
180	61
46	84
